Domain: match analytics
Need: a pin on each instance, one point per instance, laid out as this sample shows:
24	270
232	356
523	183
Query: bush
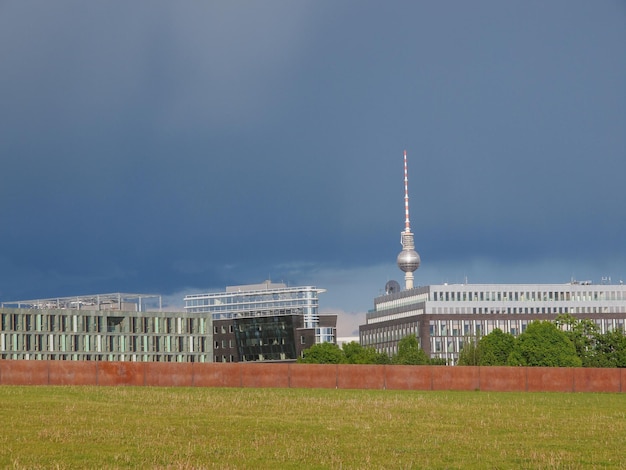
543	344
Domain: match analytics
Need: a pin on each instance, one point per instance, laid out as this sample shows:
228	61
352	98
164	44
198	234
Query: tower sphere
408	261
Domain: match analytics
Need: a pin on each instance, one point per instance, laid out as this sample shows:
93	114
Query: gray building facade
106	327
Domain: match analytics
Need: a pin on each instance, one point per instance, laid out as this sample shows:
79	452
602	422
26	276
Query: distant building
105	327
444	317
264	322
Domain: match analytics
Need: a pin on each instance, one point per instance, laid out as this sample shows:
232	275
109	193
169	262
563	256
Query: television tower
408	259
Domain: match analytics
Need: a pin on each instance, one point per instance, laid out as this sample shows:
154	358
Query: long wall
501	379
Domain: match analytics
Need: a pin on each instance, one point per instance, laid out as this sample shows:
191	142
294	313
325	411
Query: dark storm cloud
159	146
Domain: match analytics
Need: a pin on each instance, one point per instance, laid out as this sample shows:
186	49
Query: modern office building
444	317
264	322
106	327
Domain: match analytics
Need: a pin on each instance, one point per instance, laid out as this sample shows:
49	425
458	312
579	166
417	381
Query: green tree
357	354
610	350
582	332
495	348
470	354
543	344
323	353
410	353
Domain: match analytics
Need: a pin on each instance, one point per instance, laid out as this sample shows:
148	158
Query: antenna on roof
407	222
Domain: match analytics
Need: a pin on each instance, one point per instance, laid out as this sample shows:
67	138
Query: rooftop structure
116	301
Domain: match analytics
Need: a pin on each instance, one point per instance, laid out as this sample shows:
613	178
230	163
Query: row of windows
11	342
400	302
251	313
475	328
222	329
211	306
217	329
108	357
521	310
221	299
254	310
531	296
224	358
386	334
250	342
99	324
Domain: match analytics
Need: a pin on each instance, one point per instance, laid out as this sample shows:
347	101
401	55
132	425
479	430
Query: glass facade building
264	322
444	317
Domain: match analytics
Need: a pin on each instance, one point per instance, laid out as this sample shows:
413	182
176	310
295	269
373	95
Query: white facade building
444	317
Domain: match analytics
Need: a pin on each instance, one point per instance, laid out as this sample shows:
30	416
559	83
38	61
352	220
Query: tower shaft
408	259
407	221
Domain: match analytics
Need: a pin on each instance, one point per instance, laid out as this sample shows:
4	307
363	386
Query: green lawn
110	427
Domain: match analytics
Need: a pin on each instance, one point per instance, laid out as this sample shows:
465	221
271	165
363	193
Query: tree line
565	342
409	353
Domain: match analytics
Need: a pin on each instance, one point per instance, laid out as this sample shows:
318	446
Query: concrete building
444	317
264	322
106	327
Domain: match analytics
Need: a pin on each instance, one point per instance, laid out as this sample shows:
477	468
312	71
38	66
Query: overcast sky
176	147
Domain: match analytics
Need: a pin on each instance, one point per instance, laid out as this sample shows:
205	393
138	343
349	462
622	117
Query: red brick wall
495	379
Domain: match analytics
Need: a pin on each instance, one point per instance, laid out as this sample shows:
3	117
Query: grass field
143	427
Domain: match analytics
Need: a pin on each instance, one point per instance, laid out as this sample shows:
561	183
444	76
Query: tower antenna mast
408	259
407	221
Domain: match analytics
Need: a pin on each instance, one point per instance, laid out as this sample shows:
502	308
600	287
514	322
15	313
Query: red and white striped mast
408	259
407	222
